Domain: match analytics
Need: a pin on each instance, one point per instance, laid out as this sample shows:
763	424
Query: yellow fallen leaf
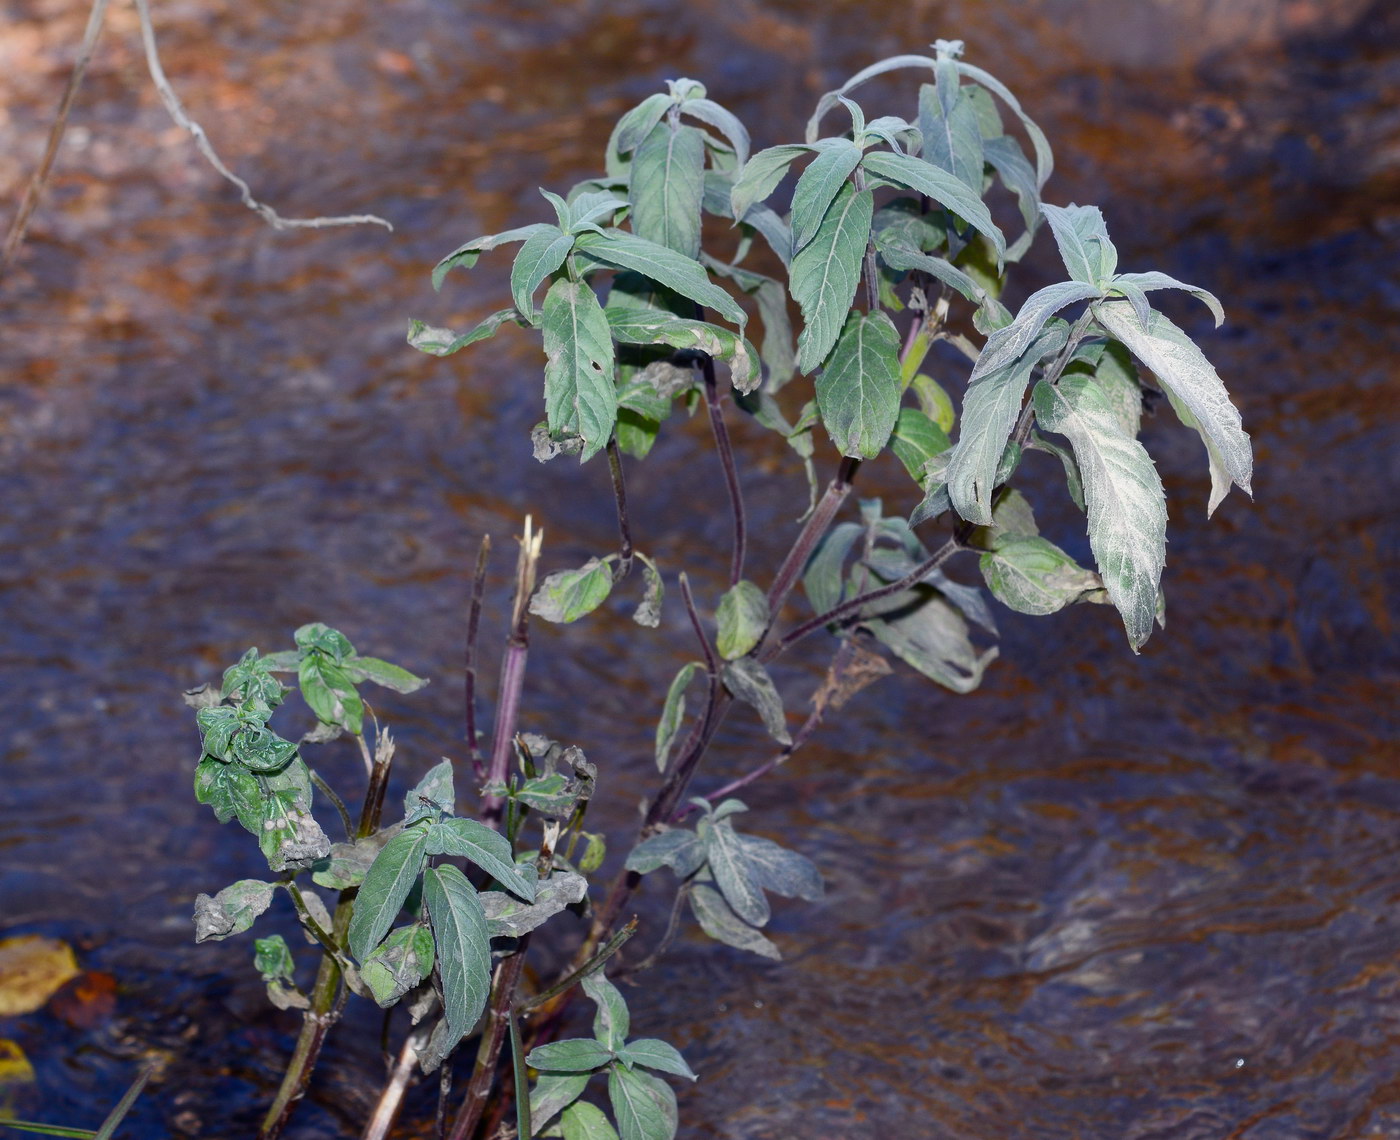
32	967
15	1068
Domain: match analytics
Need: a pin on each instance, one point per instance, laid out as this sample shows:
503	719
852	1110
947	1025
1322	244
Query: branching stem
619	485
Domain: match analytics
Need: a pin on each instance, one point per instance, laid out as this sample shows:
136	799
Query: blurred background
1104	896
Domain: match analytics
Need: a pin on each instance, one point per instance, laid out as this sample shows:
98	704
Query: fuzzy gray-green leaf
465	255
749	682
444	342
487	848
730	867
944	188
386	886
673	712
399	963
508	917
667	184
644	1106
1181	367
580	397
611	1021
925	631
568	595
552	1093
858	391
1034	576
540	256
463	944
742	616
231	911
779	870
826	272
1126	507
652	1053
1085	248
818	187
916	440
645	326
760	176
665	267
681	850
576	1055
952	141
990	407
719	921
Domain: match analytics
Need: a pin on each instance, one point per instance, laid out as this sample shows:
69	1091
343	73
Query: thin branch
390	1100
201	140
776	761
592	966
860	601
668	936
329	793
624	528
34	191
483	554
711	661
1051	375
731	473
869	271
811	534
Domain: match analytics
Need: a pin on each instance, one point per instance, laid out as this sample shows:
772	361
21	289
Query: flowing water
1104	897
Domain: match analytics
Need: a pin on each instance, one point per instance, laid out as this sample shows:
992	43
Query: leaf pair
730	872
643	1105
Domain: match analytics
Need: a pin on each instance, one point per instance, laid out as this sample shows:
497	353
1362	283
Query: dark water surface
1106	897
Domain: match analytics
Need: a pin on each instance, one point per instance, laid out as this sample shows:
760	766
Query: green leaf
463	944
465	255
584	1121
642	326
667	183
508	917
824	578
540	256
262	751
742	616
1184	371
231	790
568	595
553	1092
1220	481
436	787
818	187
1007	344
632	128
1005	156
1146	282
859	389
652	1053
775	349
916	440
673	712
1073	481
1082	236
382	673
826	272
1044	160
898	252
1117	376
320	638
576	1055
990	408
1126	507
749	682
776	869
927	632
681	850
934	401
721	923
401	962
944	188
217	727
488	849
348	863
1033	576
648	612
611	1021
730	867
665	267
580	397
1012	517
232	911
273	959
589	208
644	1106
288	836
759	177
387	884
327	688
952	141
252	680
